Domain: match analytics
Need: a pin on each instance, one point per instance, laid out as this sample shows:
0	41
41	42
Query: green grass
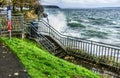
40	64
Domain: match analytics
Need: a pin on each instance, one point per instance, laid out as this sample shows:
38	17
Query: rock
3	46
9	75
4	52
25	70
3	56
16	74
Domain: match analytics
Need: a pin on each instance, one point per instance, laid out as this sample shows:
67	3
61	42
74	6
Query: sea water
98	24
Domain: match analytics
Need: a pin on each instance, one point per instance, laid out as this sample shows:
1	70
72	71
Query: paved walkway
10	66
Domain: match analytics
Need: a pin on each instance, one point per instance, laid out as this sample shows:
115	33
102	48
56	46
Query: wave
93	33
58	21
75	24
91	18
100	21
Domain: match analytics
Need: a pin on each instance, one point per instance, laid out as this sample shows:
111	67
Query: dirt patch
10	65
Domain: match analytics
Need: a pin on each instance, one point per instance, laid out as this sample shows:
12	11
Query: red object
9	26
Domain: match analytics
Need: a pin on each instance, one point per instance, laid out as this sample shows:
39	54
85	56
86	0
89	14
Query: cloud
84	3
91	1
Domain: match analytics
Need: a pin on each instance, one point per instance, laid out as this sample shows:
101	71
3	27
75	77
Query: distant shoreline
55	6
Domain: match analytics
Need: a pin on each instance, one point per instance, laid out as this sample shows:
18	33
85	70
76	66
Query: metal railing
99	52
41	39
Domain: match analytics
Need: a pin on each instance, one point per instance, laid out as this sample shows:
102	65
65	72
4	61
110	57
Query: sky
83	3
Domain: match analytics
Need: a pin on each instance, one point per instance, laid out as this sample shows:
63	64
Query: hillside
40	64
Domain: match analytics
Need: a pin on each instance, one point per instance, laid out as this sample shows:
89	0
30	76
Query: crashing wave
75	24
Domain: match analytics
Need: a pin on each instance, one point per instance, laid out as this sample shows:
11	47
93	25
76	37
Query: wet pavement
10	65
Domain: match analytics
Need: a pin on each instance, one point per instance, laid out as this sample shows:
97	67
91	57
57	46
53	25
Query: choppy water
100	25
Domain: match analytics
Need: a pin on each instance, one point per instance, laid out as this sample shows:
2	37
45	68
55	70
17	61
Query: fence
17	23
3	22
98	52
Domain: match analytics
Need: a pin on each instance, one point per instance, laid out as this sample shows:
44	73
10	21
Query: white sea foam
58	21
72	21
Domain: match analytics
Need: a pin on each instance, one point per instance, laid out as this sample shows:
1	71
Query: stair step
57	48
42	40
51	46
48	45
61	55
58	52
44	43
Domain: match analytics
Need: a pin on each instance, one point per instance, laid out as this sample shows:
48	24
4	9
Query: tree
21	4
3	2
14	2
38	8
32	4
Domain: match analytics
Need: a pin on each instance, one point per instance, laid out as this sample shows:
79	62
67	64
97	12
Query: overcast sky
84	3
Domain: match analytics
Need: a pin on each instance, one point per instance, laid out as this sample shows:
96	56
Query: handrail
53	36
40	36
107	54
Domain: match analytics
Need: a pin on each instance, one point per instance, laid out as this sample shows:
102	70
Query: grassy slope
41	64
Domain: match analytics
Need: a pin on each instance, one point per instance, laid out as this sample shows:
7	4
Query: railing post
49	30
22	25
67	43
91	49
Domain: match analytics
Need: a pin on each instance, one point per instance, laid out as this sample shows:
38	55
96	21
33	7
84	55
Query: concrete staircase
52	46
49	44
